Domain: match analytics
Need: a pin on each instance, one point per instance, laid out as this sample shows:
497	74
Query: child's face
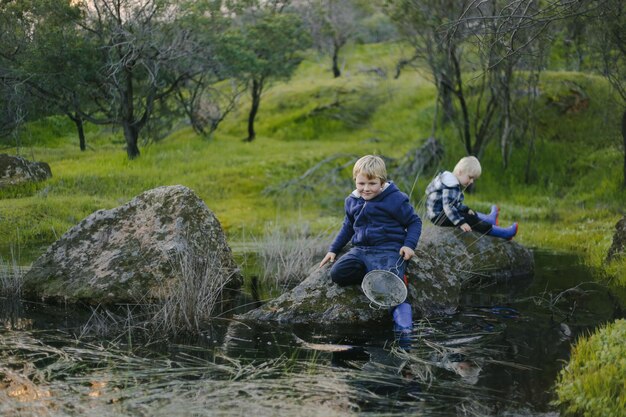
465	179
368	188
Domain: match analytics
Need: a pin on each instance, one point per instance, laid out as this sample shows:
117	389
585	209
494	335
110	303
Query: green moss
594	381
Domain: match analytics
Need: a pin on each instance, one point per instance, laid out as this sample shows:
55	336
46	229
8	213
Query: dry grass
287	255
187	306
197	297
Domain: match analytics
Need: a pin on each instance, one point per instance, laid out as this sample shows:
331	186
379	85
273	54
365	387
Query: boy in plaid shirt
444	202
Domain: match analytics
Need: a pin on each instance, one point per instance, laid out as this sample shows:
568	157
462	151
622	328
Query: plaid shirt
444	194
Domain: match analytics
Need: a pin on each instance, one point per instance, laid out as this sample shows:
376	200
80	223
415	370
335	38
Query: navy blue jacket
387	221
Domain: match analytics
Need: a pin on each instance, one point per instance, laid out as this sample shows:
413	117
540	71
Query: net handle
399	263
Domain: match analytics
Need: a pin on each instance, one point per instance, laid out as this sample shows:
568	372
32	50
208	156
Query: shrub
594	381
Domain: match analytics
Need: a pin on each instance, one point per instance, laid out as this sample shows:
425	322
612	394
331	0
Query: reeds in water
197	296
11	277
185	305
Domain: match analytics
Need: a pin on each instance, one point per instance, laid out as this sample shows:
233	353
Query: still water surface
498	355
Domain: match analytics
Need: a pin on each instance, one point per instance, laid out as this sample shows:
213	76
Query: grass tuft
286	255
11	277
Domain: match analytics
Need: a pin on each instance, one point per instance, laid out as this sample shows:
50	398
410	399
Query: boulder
477	255
618	247
445	261
433	288
16	170
136	252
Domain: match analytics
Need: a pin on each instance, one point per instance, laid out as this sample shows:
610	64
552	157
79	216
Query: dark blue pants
352	267
476	223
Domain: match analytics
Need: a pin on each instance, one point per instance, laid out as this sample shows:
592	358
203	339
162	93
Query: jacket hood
445	179
449	179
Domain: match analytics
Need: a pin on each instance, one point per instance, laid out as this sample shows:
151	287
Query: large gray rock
135	252
445	261
477	255
16	170
433	288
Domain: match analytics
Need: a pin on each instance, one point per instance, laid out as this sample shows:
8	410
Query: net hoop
384	288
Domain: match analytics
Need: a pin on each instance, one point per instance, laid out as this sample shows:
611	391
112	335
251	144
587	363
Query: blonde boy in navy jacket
383	228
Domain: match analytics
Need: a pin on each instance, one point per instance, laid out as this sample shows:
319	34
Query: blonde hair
468	165
372	167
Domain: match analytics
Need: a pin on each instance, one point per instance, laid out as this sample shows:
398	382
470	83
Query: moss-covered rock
477	255
445	260
16	170
433	288
594	381
133	252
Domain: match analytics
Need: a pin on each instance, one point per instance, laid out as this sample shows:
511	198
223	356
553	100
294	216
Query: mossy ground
594	382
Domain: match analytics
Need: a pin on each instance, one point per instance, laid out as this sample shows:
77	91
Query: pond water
498	355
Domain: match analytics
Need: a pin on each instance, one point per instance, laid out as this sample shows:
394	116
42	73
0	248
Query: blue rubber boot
491	218
403	318
504	232
403	325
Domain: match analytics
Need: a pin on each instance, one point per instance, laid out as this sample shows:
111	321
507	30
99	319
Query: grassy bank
569	199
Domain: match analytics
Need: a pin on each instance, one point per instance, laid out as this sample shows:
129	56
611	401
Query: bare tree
204	97
515	35
427	24
503	36
140	48
507	44
333	23
206	104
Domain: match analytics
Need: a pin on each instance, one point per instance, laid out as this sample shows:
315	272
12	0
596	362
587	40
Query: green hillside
568	198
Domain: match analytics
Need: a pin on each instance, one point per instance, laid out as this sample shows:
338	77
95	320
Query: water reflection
497	355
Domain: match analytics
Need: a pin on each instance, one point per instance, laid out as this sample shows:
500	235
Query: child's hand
407	253
330	257
466	227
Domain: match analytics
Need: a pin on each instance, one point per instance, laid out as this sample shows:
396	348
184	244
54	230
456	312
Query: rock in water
433	288
477	255
445	261
135	252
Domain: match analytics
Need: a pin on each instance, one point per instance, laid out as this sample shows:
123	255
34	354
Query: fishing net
384	288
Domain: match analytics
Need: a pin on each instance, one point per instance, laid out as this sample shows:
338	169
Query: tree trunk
481	135
446	100
81	135
257	89
530	157
131	134
505	84
336	70
467	135
624	139
78	121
